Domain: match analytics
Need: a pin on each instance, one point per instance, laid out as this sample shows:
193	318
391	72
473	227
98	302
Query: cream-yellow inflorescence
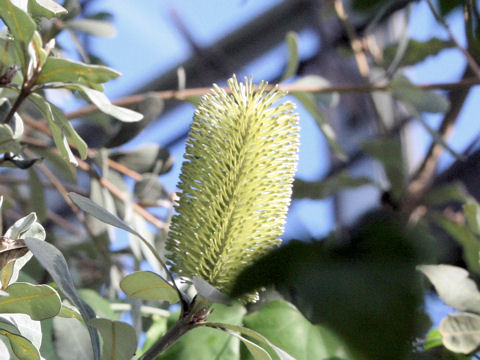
236	182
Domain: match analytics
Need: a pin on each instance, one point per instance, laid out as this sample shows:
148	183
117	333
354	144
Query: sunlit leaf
92	27
8	143
53	261
472	213
100	100
256	351
21	347
461	332
38	301
45	8
292	43
328	99
454	286
64	70
147	285
119	339
68	311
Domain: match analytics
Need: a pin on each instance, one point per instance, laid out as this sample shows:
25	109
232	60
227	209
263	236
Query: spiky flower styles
235	184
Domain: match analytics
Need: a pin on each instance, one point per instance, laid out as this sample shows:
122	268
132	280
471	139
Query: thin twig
470	60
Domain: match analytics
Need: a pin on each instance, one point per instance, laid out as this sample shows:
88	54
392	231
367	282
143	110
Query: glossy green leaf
53	261
38	301
21	27
69	347
37	196
309	103
119	339
145	159
64	70
333	284
461	332
287	328
454	286
417	51
45	8
465	237
327	187
292	43
21	347
472	213
207	343
92	27
389	153
100	100
147	285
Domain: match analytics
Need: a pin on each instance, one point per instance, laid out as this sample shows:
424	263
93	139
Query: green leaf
100	100
21	347
292	43
119	339
417	51
69	71
38	301
98	303
465	237
53	261
454	286
62	130
309	103
37	196
57	161
145	159
421	100
69	312
150	189
8	143
433	339
256	351
329	99
101	214
327	187
69	347
207	343
286	327
389	153
446	193
45	8
209	292
147	285
8	54
472	213
333	284
461	332
92	27
21	26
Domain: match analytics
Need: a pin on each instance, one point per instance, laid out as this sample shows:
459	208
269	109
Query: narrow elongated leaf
22	348
254	335
64	70
45	8
21	26
147	285
454	286
100	100
461	332
37	196
326	187
207	343
309	103
329	99
57	161
101	214
92	27
8	143
38	301
53	261
292	43
256	351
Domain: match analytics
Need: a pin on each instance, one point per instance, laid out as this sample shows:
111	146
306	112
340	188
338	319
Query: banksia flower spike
236	182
